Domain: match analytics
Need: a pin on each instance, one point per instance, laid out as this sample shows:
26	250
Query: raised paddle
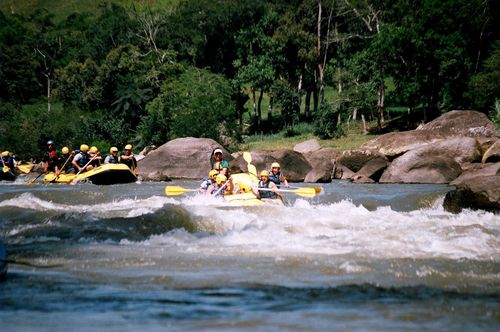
304	192
6	169
251	168
177	190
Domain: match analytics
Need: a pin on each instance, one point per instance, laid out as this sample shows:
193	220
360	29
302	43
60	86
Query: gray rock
322	165
476	193
423	165
307	146
182	158
492	155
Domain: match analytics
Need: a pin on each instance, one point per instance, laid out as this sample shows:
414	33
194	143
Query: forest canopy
145	72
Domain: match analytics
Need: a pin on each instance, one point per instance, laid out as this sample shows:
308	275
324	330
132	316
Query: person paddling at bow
276	176
266	188
210	180
222	186
52	158
127	158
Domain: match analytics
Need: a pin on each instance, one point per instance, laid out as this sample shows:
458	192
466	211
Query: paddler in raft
112	157
222	186
210	180
221	165
81	160
95	157
52	158
8	166
272	191
276	176
67	159
127	158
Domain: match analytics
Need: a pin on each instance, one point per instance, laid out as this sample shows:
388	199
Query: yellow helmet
264	173
275	165
84	147
94	150
212	173
221	178
128	147
65	150
5	154
113	149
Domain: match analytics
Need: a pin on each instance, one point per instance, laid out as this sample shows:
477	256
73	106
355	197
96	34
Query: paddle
33	180
59	173
84	167
177	190
307	192
25	168
6	169
317	190
26	263
251	168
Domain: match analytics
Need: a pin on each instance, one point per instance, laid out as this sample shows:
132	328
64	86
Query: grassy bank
354	138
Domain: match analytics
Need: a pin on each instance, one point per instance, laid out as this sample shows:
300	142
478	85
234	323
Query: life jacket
220	165
205	183
112	159
275	178
53	157
266	193
68	168
84	159
217	192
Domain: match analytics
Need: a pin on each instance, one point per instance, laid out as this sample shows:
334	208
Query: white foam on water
342	229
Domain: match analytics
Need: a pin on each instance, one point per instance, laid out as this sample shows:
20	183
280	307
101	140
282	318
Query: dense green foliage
118	72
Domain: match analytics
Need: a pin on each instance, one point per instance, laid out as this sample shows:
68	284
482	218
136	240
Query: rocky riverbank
460	148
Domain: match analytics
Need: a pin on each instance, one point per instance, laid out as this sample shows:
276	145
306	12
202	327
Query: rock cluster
461	148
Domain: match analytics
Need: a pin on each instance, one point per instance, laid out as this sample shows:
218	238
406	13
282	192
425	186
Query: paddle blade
307	192
6	169
25	168
176	190
247	156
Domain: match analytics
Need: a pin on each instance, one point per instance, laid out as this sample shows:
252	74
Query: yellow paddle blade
25	168
307	192
176	190
250	168
317	190
6	169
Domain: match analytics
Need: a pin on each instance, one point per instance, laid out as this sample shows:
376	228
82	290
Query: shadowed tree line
219	69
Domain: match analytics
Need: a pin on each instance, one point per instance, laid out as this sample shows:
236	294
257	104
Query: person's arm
283	179
274	188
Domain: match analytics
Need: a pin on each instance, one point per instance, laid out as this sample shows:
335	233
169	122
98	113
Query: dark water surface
355	258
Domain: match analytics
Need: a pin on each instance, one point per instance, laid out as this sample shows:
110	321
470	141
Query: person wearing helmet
276	176
271	192
95	157
8	165
112	157
222	186
67	159
127	157
220	164
81	159
207	181
52	159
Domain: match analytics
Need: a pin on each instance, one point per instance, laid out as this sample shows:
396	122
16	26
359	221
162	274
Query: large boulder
395	144
462	149
322	165
307	146
181	158
462	123
373	170
423	165
476	170
476	193
355	159
492	155
293	164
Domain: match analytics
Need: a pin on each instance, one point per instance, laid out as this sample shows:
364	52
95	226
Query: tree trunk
48	93
259	109
365	131
270	108
307	106
380	104
254	103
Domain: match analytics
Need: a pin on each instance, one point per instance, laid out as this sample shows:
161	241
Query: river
355	258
